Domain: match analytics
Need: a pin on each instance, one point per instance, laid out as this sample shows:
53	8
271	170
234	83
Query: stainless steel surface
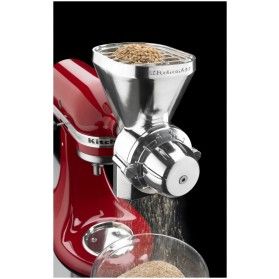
102	160
143	94
155	162
97	169
170	55
97	161
100	236
123	188
151	154
96	142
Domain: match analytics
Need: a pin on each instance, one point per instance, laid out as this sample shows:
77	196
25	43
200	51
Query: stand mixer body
119	119
83	199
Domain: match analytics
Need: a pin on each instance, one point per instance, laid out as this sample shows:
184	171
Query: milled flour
154	269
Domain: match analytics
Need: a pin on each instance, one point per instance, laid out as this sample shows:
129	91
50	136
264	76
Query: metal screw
60	104
117	233
93	239
183	179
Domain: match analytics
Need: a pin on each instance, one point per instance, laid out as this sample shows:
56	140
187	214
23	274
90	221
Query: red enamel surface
78	93
80	198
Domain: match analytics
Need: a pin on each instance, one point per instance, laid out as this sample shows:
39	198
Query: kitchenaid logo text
170	72
101	141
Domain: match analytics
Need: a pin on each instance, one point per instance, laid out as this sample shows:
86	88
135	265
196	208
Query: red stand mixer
116	114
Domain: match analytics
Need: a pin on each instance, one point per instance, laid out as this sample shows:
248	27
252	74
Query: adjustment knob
182	176
171	169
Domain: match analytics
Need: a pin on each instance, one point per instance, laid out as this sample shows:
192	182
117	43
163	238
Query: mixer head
144	94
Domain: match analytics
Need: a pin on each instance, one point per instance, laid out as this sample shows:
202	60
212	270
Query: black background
200	29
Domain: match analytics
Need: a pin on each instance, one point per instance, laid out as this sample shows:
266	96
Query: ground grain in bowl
154	269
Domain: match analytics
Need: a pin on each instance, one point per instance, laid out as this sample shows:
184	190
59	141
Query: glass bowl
128	252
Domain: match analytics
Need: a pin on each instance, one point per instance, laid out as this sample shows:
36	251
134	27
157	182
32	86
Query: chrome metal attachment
144	94
160	161
101	235
149	153
97	169
97	162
